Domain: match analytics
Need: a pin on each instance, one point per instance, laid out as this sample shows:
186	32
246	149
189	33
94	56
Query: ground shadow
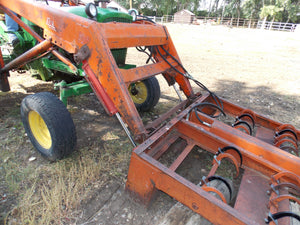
262	99
10	101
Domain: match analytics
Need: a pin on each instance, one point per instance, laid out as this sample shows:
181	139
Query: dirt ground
253	68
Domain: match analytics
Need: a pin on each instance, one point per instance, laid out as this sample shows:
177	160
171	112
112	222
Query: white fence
267	25
234	22
199	20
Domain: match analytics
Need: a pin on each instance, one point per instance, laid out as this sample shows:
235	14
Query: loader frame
259	155
60	28
261	162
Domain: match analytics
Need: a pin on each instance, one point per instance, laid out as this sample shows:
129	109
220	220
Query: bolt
194	206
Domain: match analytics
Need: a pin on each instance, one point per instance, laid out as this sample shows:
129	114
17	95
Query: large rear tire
145	94
48	125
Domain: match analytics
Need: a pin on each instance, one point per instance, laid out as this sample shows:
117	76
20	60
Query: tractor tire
48	125
145	94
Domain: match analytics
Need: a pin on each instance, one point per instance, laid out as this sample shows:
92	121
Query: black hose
245	123
216	177
219	104
145	18
226	148
247	115
285	131
216	98
141	49
274	217
203	104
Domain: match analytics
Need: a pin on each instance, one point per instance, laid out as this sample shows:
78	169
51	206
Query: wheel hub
39	129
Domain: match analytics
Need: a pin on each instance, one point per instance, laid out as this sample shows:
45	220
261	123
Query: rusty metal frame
72	33
146	174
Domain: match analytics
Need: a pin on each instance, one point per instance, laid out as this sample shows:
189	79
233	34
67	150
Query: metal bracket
83	54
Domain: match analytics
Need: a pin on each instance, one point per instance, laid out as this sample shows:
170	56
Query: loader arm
71	32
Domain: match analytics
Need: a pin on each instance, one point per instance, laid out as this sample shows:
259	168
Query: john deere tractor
45	117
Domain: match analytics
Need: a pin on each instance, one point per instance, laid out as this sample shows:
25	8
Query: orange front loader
264	151
77	36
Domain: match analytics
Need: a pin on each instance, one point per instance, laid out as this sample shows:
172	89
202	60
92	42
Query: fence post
280	26
263	23
271	25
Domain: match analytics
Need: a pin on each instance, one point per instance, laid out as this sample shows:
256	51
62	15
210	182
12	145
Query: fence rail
232	22
267	25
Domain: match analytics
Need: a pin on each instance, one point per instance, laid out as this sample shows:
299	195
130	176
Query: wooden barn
184	16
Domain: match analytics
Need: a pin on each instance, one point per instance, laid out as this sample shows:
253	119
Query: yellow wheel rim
138	92
39	129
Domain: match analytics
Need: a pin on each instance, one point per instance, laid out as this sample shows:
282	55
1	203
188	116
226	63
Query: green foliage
233	9
291	8
278	10
202	13
252	8
271	11
160	8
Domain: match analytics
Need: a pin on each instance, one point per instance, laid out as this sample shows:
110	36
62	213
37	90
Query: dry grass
52	193
53	198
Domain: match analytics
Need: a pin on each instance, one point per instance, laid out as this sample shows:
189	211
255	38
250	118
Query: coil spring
219	186
286	139
245	122
291	192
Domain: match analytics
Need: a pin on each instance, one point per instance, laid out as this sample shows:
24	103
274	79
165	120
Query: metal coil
245	122
286	139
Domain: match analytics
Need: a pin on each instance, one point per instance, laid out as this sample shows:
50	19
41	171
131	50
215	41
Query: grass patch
51	193
53	198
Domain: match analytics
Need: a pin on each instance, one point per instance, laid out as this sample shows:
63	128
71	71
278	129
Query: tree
233	8
252	8
291	8
160	8
270	11
279	10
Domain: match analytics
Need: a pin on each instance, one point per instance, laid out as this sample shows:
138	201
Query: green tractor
46	119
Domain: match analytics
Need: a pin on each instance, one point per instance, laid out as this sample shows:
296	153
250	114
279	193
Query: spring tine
293	189
274	217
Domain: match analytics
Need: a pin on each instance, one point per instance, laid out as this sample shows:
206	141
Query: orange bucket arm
71	32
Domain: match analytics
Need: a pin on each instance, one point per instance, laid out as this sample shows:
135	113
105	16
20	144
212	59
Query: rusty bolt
194	205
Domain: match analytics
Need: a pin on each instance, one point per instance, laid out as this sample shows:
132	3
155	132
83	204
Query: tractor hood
103	15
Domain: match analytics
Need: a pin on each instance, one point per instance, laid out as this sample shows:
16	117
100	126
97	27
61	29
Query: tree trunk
216	6
209	8
223	11
238	12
